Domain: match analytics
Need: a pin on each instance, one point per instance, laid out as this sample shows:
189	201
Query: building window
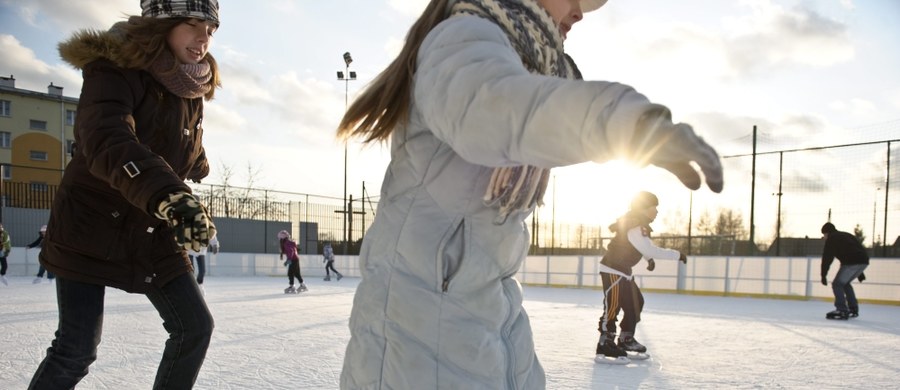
37	155
69	144
5	108
70	117
7	171
5	140
38	186
37	125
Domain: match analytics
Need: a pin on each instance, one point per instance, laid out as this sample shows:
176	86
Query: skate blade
618	361
638	355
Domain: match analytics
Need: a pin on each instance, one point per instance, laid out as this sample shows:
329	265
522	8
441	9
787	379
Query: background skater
854	260
628	247
328	252
289	248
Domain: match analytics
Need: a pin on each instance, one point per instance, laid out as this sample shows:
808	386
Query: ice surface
265	339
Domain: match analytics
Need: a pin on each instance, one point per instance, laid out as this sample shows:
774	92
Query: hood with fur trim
86	46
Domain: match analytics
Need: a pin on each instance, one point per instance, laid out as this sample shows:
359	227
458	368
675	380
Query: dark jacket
846	248
135	142
621	255
37	242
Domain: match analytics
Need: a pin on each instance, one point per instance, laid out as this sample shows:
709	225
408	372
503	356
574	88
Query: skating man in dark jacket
854	260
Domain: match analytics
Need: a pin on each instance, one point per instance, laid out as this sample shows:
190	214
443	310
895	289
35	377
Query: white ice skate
302	288
615	360
3	279
638	355
290	290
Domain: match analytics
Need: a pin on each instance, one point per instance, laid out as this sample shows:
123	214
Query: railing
777	277
767	277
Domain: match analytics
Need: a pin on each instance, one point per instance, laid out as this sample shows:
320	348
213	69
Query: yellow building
36	136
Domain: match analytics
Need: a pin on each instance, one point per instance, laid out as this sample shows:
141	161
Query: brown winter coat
101	227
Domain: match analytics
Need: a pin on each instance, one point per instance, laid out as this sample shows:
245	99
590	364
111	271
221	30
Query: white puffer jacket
437	307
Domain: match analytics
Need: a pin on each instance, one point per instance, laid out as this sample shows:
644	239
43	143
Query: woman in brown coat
123	215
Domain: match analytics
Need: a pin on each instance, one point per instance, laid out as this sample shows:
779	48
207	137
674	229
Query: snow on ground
267	340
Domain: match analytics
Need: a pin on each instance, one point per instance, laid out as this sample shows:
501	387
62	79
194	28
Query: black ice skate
340	276
610	353
635	350
837	315
327	278
854	313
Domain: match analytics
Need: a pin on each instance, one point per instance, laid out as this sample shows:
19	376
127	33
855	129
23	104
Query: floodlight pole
346	77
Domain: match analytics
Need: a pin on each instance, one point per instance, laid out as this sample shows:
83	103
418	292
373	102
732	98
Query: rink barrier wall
769	277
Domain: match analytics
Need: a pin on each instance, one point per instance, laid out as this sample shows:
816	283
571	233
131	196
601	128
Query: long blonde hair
385	102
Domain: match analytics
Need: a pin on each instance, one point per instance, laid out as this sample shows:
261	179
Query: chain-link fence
774	204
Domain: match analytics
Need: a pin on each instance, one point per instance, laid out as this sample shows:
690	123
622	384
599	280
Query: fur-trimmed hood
89	45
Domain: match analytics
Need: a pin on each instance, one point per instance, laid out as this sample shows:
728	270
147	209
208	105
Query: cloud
772	36
71	15
893	98
408	7
33	74
855	106
221	119
766	39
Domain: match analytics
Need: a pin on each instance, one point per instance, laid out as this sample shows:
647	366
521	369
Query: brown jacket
135	142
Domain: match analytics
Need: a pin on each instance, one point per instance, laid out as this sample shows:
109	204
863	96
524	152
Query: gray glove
673	147
192	222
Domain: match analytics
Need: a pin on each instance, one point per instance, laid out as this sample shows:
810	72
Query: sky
265	339
807	73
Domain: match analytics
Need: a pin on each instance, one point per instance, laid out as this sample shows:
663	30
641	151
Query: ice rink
267	340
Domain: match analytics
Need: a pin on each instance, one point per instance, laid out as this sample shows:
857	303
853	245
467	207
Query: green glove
192	222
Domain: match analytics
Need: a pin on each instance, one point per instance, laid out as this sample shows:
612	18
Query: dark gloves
192	222
651	265
824	280
682	258
861	277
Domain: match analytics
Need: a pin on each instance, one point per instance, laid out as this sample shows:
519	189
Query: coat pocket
89	222
451	252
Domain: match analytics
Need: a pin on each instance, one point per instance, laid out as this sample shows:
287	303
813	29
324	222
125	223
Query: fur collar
86	46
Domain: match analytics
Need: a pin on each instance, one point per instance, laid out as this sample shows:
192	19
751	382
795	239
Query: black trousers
619	293
294	271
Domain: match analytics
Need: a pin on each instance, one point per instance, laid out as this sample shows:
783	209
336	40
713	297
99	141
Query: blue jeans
201	266
181	307
844	296
41	270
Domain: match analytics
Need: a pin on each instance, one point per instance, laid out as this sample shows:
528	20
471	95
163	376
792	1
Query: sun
592	193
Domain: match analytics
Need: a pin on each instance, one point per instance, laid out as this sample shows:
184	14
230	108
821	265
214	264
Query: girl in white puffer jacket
479	104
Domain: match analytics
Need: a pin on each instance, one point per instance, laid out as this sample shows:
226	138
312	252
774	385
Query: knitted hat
591	5
643	200
283	234
828	227
200	9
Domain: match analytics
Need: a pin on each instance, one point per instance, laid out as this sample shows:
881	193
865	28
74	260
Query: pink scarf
187	80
